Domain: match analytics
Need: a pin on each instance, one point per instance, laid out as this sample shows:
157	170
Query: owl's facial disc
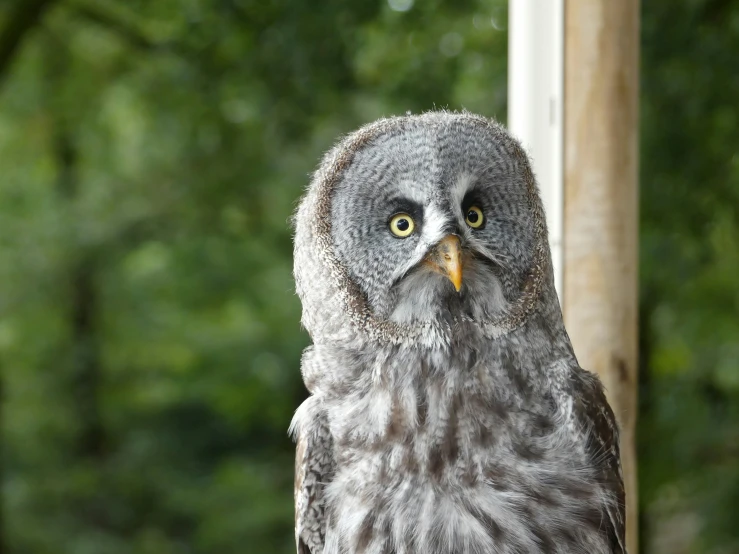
434	223
446	259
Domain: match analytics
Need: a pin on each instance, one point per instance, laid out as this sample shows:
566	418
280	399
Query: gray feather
442	422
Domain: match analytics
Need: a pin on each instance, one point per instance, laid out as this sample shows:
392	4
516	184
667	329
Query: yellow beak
446	259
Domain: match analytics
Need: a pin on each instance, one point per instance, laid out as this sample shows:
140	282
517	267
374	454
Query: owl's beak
446	259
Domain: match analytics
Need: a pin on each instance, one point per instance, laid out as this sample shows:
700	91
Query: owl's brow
479	172
400	204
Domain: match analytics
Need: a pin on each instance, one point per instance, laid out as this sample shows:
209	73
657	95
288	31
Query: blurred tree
151	155
22	18
689	426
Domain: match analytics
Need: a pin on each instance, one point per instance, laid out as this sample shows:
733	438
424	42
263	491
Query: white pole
535	100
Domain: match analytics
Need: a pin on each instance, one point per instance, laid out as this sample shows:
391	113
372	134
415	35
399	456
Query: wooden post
601	204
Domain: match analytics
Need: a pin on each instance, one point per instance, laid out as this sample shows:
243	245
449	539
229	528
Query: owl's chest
444	422
450	465
443	437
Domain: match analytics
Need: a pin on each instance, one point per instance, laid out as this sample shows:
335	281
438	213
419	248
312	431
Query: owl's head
421	222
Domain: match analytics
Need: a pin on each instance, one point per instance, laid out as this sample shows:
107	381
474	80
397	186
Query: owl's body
448	413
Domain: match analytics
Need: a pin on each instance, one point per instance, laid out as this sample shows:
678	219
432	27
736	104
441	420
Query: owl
448	413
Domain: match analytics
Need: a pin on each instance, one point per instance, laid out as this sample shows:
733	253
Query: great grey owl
448	414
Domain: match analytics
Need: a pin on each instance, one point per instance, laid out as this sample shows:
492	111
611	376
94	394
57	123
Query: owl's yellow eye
474	217
402	225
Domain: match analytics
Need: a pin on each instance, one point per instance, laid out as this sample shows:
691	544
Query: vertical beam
601	203
535	85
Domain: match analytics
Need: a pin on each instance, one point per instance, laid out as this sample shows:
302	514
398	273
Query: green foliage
151	155
689	430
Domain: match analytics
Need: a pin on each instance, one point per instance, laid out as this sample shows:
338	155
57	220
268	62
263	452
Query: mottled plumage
442	422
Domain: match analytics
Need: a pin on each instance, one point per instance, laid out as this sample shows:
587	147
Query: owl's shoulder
314	467
600	437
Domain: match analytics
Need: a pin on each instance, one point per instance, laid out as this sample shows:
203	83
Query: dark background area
151	153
